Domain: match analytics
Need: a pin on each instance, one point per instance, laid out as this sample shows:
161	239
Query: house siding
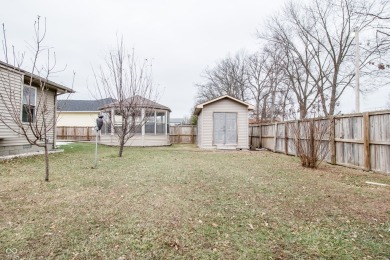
9	100
82	119
8	138
224	105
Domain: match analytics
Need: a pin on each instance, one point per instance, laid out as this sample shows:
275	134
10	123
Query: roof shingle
82	105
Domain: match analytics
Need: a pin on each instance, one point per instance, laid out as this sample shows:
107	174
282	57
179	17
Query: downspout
55	121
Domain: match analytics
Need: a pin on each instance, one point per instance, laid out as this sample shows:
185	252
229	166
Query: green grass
181	202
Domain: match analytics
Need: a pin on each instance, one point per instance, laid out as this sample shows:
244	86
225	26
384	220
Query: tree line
307	58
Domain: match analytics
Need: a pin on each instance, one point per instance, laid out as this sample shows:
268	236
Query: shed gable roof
199	108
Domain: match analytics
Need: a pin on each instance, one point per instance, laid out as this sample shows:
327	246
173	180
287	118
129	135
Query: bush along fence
356	140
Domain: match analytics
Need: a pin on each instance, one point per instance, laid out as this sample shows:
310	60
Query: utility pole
357	72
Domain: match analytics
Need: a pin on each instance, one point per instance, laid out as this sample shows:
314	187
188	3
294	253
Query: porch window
28	104
160	122
149	124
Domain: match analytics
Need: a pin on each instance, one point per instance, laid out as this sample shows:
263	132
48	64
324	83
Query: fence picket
358	140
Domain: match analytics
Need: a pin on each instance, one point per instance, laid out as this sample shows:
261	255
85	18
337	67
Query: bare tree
228	77
33	117
267	84
129	82
297	62
258	80
317	38
378	67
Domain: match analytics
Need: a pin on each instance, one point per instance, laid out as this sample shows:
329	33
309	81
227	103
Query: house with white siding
80	113
223	123
15	90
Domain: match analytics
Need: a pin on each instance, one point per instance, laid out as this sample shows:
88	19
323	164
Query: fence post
366	140
250	139
285	137
178	134
275	136
332	142
297	138
260	133
88	133
192	135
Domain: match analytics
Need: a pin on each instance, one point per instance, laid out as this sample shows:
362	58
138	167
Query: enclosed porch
150	125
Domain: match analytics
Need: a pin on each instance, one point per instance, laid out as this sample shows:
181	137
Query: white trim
155	122
112	121
98	111
143	121
165	122
200	107
225	144
250	107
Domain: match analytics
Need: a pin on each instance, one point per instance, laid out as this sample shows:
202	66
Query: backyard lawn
181	202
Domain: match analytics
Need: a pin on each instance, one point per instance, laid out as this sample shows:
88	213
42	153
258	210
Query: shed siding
199	136
224	105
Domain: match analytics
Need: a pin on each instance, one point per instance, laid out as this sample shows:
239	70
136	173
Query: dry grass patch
181	202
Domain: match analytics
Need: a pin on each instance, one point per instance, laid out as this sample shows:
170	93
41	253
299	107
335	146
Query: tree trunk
121	145
273	106
46	162
258	114
312	152
302	111
264	109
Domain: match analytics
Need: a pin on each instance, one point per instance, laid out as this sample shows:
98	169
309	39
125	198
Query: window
29	103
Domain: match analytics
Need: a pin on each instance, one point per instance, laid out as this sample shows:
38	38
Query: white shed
223	123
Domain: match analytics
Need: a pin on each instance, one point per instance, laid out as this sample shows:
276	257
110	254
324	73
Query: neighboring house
153	130
223	123
80	113
15	89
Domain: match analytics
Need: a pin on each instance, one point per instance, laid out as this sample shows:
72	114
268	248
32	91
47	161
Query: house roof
199	108
36	79
82	105
139	101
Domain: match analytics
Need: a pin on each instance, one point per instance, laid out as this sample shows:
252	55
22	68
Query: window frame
31	105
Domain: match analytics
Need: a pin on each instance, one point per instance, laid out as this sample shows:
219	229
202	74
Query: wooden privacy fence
180	134
356	140
183	134
76	133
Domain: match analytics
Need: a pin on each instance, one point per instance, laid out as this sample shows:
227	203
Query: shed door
225	128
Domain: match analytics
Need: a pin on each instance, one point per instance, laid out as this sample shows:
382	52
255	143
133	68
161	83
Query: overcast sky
182	37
